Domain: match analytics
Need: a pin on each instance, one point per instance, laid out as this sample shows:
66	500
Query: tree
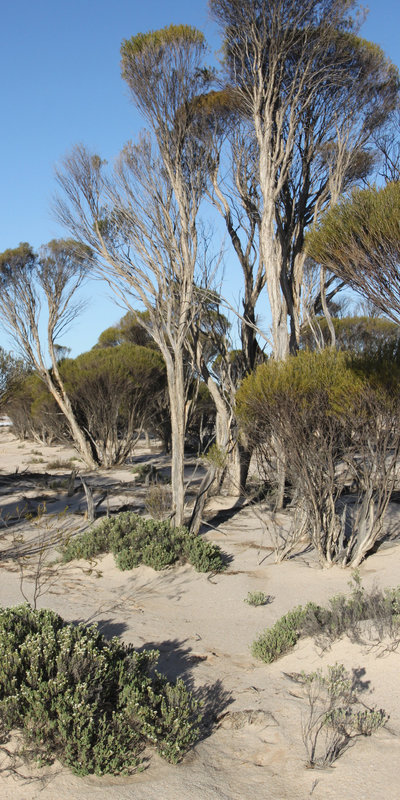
113	393
358	334
25	278
12	370
142	219
315	94
34	412
128	329
359	240
388	144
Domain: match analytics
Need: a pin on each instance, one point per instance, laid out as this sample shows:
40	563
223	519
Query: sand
253	748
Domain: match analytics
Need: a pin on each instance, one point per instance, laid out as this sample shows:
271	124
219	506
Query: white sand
204	630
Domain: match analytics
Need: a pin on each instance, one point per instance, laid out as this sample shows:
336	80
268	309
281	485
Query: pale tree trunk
176	388
64	402
232	477
271	261
82	445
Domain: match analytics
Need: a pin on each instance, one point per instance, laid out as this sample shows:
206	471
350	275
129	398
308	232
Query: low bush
91	703
335	715
344	614
134	540
158	501
286	632
256	599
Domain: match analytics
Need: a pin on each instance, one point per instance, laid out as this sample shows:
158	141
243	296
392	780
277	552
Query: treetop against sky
61	84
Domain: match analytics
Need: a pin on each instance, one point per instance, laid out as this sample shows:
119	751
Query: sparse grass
37	461
60	464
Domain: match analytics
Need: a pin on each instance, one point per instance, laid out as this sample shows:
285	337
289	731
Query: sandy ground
203	630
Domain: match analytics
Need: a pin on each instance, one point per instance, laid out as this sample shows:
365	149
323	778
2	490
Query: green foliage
34	411
128	329
13	261
113	392
357	334
12	372
90	702
156	40
203	556
276	641
256	599
359	240
141	470
216	456
361	223
315	416
305	380
343	614
134	540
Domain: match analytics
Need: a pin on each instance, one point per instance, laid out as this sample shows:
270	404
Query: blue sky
60	84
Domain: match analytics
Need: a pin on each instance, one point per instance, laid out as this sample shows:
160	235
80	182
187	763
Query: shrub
134	540
203	556
342	615
158	501
256	599
141	470
276	641
335	715
328	421
91	703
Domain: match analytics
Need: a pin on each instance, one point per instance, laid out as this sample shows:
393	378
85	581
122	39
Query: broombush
343	615
91	703
134	540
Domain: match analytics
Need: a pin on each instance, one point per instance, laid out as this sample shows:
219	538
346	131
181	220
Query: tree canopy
359	240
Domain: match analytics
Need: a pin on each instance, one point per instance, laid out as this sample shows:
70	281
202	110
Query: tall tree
55	275
315	94
142	219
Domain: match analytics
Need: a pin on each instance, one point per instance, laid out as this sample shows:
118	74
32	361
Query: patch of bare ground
251	744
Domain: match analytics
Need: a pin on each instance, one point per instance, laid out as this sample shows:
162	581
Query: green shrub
90	702
141	470
204	556
87	545
256	599
381	608
134	540
276	641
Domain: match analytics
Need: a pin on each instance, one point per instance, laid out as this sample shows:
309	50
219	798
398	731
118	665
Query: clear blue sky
60	84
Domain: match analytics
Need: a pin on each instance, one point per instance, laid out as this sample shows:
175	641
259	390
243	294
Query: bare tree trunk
82	444
178	425
279	310
325	306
